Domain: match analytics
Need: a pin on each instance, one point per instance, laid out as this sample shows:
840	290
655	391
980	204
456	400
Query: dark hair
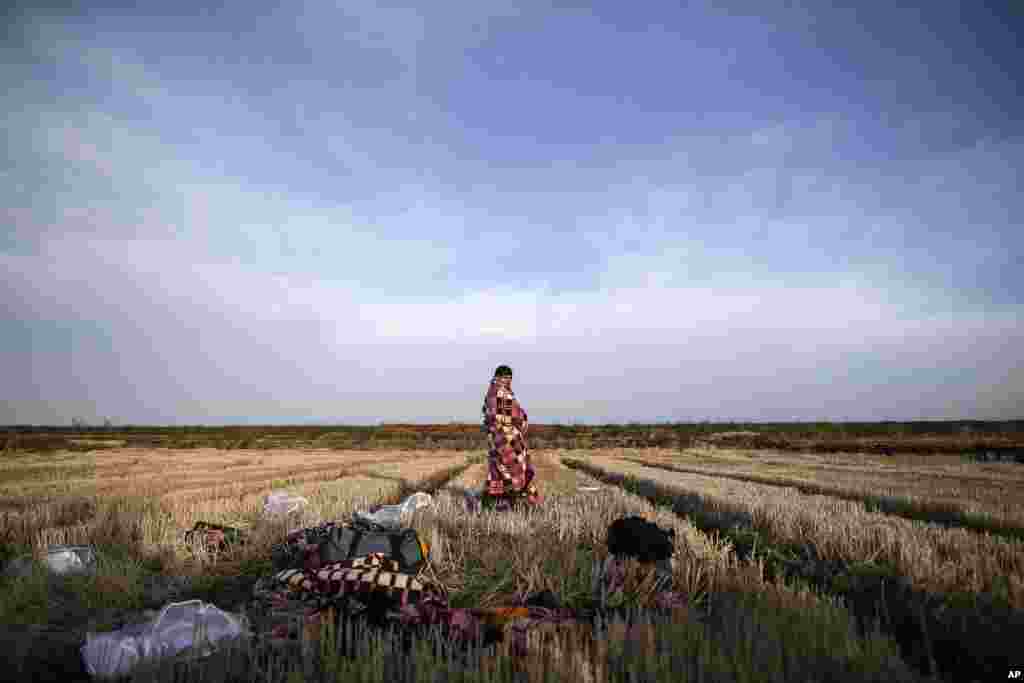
503	371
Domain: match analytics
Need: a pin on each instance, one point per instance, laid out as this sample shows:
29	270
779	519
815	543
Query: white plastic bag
415	502
391	515
282	503
193	628
70	559
59	559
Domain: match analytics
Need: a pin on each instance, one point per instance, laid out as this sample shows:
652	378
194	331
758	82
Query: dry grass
569	524
935	559
939	592
471	479
487	558
493	558
553	479
142	501
940	484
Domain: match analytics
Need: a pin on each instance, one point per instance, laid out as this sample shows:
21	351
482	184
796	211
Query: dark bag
636	537
351	540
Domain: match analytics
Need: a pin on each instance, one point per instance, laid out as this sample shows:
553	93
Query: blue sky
352	212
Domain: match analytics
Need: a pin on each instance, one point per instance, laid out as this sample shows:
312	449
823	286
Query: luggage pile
372	570
352	570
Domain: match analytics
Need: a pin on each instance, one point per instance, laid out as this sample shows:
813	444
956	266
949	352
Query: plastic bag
70	559
391	515
59	559
282	503
192	628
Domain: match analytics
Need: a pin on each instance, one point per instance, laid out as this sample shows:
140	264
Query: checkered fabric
508	459
359	576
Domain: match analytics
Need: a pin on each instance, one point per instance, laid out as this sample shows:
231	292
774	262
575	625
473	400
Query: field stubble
933	557
142	501
960	589
760	630
941	488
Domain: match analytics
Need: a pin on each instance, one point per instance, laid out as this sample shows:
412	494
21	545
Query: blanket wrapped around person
510	475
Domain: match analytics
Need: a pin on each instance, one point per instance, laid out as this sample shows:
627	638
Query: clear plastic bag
283	503
59	559
70	559
183	630
391	515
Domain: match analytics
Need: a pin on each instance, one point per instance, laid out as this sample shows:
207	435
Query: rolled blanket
360	576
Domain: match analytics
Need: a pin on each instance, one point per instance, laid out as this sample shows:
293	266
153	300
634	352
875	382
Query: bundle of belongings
380	575
353	568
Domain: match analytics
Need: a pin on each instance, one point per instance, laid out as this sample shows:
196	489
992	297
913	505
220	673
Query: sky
353	212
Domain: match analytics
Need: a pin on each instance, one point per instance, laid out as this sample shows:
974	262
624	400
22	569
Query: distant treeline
921	427
921	436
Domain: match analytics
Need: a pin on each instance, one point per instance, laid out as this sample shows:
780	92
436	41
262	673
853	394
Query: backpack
349	541
636	537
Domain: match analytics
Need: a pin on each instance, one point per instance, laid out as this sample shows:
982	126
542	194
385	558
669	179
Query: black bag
636	537
353	540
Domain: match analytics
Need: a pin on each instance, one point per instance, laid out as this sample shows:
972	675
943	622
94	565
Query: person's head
503	371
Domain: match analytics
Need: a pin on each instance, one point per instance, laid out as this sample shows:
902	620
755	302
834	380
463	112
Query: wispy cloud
393	201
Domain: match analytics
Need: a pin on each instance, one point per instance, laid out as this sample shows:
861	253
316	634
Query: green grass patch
117	583
25	599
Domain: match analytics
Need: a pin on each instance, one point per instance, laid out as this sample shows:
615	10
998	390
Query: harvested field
493	558
761	629
942	489
889	441
934	558
471	479
45	500
554	479
966	582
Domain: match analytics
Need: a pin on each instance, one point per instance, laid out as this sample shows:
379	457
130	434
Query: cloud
224	295
382	211
222	336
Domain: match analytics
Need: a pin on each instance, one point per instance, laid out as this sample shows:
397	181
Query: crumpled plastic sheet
70	559
283	503
60	559
391	516
191	628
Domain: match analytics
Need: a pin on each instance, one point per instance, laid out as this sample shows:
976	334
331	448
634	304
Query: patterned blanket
357	577
374	586
509	470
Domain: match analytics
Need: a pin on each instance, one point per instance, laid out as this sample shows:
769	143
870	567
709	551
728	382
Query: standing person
509	472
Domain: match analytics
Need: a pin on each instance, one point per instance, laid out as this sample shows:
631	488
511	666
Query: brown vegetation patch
993	492
486	558
934	558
